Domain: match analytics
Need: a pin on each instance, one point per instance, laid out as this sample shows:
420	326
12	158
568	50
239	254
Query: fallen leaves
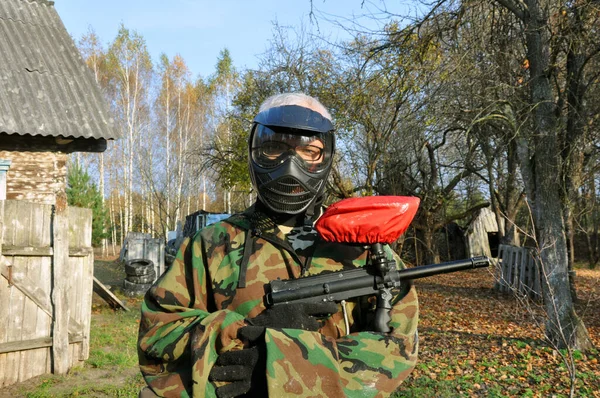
476	342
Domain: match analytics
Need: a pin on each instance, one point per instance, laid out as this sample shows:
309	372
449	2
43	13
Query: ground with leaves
477	343
473	343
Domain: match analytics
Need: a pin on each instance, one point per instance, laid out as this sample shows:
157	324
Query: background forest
465	104
449	106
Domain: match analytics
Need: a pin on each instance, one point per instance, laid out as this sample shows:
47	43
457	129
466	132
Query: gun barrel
341	285
425	271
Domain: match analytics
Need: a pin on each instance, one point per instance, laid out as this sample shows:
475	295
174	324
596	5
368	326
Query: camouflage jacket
192	314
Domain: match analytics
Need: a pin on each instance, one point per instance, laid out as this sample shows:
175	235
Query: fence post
60	324
500	282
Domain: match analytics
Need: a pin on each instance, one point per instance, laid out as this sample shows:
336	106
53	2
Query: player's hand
236	368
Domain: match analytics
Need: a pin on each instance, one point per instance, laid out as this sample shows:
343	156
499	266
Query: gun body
366	281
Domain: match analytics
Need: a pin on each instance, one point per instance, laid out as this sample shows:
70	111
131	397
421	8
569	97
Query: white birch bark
168	147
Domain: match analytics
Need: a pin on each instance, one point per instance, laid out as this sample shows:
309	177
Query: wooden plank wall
29	290
26	230
477	233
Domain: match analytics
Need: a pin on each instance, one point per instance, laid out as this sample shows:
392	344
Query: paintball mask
291	152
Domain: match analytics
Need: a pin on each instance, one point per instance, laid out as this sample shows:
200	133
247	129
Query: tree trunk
513	198
151	215
113	223
574	145
123	230
563	327
589	224
104	240
430	252
168	148
203	192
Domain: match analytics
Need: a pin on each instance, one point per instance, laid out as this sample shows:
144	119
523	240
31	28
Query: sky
199	30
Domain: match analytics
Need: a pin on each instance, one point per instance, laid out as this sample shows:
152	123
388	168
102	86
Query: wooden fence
46	262
518	271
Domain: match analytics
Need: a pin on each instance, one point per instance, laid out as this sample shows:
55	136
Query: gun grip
382	313
382	320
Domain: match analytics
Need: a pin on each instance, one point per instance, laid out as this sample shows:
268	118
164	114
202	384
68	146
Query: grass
112	367
114	337
488	378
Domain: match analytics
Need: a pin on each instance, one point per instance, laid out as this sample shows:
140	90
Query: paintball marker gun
370	221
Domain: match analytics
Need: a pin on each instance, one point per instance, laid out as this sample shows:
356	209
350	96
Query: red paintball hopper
368	220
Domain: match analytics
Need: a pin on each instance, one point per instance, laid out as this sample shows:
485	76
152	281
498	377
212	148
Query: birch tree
131	69
94	55
224	85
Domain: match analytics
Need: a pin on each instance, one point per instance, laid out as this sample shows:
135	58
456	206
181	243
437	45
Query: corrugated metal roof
45	87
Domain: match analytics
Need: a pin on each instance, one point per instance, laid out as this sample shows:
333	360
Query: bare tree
131	70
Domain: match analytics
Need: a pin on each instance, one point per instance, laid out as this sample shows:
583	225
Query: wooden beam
13	346
47	251
75	338
1	225
28	143
28	287
80	251
75	328
42	342
108	296
27	251
60	332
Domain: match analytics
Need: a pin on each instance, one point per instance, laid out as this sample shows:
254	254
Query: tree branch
514	8
467	212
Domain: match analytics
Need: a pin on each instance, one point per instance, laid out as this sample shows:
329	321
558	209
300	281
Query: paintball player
205	330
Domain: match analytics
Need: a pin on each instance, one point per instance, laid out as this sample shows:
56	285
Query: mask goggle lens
271	148
276	149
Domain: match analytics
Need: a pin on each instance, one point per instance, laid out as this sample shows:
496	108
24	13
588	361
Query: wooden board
108	296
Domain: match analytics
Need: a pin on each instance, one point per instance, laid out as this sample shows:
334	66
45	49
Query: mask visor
272	146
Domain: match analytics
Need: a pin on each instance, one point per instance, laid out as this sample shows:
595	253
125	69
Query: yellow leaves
529	367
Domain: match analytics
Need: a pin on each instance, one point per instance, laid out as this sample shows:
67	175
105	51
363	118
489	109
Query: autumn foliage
478	343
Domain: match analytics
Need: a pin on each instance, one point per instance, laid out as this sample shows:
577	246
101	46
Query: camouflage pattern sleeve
359	364
180	336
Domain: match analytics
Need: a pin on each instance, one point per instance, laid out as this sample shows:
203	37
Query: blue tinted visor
294	117
270	147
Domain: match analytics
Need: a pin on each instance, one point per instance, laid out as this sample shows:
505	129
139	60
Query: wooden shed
482	234
50	106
